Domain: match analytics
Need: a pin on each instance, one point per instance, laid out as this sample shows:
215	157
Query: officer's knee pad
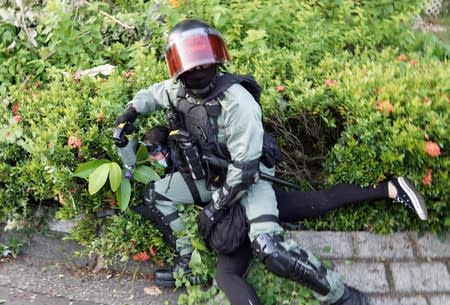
150	195
293	266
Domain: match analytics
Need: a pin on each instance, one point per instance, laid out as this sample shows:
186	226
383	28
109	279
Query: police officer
194	53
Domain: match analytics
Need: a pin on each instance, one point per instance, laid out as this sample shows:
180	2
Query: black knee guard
149	210
290	265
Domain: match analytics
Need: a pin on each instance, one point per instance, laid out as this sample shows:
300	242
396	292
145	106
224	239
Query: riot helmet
193	53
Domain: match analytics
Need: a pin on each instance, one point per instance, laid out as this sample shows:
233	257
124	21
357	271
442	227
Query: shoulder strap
226	80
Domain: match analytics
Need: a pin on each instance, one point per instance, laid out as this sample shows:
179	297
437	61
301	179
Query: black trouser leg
229	276
297	205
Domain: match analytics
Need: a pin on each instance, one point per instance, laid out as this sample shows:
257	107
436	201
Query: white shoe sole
417	200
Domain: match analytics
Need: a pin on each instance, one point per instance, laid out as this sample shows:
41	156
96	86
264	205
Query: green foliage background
324	67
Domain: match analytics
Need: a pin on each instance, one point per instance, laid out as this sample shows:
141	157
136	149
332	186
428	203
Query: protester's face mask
163	162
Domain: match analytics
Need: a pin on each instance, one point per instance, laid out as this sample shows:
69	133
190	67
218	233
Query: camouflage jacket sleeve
155	97
241	129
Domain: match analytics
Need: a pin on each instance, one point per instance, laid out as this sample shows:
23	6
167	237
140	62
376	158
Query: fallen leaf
152	290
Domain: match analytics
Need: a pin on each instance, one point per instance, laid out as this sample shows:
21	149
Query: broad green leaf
196	259
145	174
115	176
142	153
85	169
98	178
123	194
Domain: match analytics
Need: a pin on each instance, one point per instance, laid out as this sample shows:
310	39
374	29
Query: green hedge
352	94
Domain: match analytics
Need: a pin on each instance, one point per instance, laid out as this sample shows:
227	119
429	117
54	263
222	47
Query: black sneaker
410	197
165	277
352	296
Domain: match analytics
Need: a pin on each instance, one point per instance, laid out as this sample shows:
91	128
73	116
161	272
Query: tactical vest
200	121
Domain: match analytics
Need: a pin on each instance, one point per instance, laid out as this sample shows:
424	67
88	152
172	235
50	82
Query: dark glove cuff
129	115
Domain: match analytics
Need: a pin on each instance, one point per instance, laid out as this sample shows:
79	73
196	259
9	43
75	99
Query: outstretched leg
297	205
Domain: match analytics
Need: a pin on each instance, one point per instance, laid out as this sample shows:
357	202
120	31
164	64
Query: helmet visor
185	52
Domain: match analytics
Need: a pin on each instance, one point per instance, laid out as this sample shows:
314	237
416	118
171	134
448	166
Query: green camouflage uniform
240	128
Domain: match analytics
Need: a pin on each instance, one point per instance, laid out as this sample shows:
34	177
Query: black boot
164	277
352	296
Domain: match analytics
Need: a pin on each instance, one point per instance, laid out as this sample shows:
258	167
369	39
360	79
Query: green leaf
142	153
98	178
115	176
196	259
85	169
145	174
447	222
198	245
123	194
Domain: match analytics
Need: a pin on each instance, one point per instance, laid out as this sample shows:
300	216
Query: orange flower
432	149
17	117
413	62
74	142
331	83
15	108
141	257
402	57
428	178
385	106
280	88
153	251
176	3
112	202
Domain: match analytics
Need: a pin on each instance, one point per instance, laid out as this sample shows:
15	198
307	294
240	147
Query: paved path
398	269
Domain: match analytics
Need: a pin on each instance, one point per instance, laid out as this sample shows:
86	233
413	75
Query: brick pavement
396	269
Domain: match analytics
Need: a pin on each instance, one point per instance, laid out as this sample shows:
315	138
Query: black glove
120	134
129	115
208	218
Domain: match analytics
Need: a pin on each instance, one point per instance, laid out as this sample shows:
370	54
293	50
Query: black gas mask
199	81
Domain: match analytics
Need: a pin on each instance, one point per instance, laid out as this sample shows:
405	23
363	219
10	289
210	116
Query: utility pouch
193	159
187	152
271	152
